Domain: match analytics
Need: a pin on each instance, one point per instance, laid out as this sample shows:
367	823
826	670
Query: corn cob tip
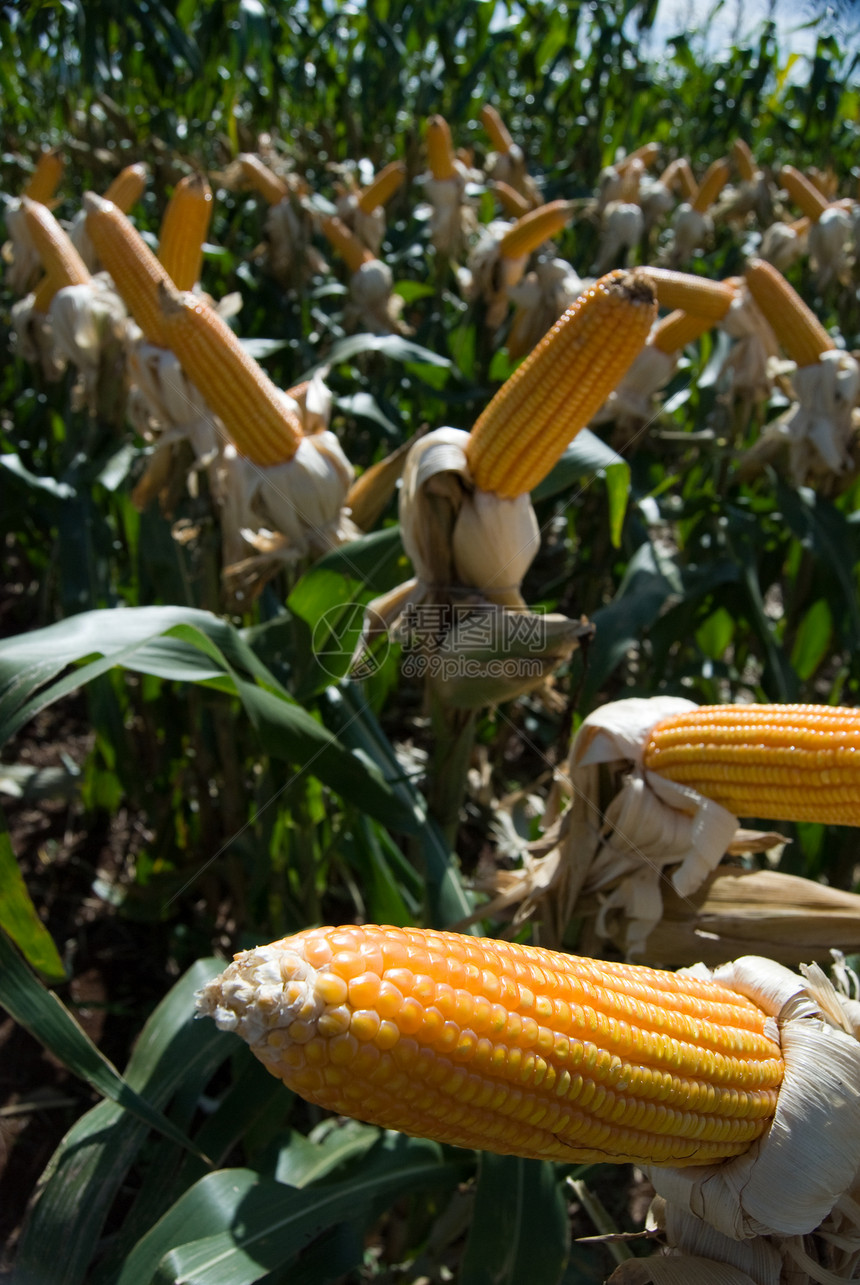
95	204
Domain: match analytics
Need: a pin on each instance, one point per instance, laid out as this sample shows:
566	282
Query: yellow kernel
331	989
348	964
387	1035
302	1032
316	1052
343	1049
411	1016
364	1024
364	990
318	952
334	1021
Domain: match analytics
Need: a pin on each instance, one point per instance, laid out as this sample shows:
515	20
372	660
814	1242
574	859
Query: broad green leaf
393	346
812	640
519	1228
77	1189
18	916
587	455
306	1160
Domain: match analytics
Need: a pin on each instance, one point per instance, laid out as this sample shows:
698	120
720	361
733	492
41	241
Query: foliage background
156	798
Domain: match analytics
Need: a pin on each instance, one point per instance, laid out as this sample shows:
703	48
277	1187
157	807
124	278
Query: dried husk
622	228
372	306
830	247
655	200
690	231
748	362
292	258
632	403
89	327
452	219
782	245
510	167
33	339
540	298
490	275
368	227
22	259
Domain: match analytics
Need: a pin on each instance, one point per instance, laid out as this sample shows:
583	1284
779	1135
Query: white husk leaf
819	427
830	247
655	199
24	263
782	245
678	1270
690	231
292	258
451	217
510	167
748	359
541	297
623	224
632	402
372	305
89	324
33	339
491	276
166	405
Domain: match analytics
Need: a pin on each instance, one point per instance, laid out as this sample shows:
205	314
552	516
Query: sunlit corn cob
61	261
127	187
744	160
507	1048
184	229
679	172
45	179
511	201
348	246
677	330
716	177
646	155
534	228
497	130
135	270
261	179
778	762
795	325
804	194
561	384
440	150
698	295
382	188
263	427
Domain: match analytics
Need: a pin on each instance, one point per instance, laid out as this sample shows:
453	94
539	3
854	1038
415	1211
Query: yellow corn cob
511	201
262	180
233	385
440	151
801	226
744	160
534	228
824	180
61	261
803	193
694	294
561	384
45	179
796	327
383	187
777	762
183	230
646	154
127	188
716	177
44	293
497	130
508	1048
677	330
350	249
687	180
135	270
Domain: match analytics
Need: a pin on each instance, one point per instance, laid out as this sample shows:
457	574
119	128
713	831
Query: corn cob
777	762
508	1048
796	327
561	384
350	249
677	330
744	160
534	228
383	187
511	201
45	179
687	179
716	177
263	428
699	295
135	270
497	130
803	193
183	231
61	261
440	151
127	187
262	180
647	154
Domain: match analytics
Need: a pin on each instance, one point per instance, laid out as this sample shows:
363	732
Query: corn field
430	461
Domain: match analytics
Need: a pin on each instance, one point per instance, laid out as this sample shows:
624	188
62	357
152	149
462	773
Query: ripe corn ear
45	179
687	180
677	330
511	201
135	270
440	150
61	261
127	188
263	428
509	1048
716	177
534	228
777	762
699	295
184	229
561	384
804	194
262	180
647	154
795	325
384	185
744	160
348	246
497	130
